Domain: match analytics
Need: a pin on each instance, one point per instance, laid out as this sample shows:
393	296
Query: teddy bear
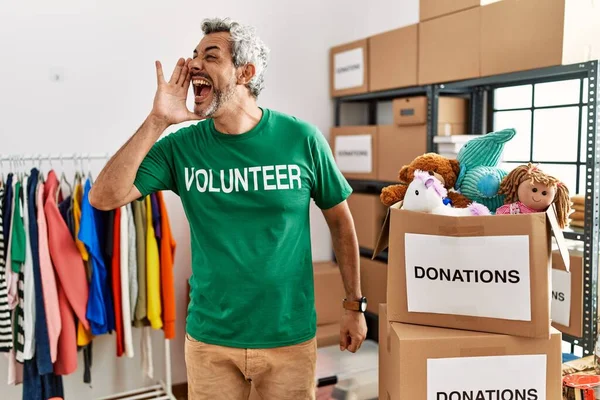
444	169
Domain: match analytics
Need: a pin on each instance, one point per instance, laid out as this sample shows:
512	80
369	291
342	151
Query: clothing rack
162	390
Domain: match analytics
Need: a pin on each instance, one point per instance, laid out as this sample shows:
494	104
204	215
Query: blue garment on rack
66	212
99	312
40	387
65	208
42	341
155	216
39	380
106	235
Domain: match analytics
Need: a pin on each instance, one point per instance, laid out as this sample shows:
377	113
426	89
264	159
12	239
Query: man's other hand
353	330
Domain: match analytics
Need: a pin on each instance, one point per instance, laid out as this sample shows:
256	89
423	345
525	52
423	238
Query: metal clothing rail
162	390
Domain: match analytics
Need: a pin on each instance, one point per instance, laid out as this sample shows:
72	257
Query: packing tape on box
482	351
474	230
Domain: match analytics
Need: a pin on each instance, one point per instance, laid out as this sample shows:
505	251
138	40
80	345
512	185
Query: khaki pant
282	373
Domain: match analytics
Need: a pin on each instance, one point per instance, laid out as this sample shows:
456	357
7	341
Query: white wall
104	52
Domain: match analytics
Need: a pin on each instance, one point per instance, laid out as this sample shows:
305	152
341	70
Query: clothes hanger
63	177
89	174
19	169
78	174
81	166
41	177
10	166
24	169
15	168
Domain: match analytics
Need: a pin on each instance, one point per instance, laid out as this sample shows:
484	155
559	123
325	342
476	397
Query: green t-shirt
247	200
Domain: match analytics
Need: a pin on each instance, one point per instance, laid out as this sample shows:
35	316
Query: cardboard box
397	146
452	144
328	335
450	47
410	110
447	129
519	35
567	295
355	150
368	213
429	9
386	366
329	292
349	68
413	110
479	273
424	363
393	59
373	279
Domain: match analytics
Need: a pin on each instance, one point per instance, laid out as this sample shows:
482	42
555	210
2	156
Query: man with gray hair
246	176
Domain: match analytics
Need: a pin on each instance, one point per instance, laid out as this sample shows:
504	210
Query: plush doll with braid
527	189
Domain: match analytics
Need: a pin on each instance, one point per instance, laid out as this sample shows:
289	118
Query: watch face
363	305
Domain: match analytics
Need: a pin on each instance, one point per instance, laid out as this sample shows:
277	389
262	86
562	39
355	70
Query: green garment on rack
18	233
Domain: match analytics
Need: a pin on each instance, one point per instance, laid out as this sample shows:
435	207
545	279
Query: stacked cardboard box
368	214
373	279
329	293
468	307
464	39
567	294
449	146
375	152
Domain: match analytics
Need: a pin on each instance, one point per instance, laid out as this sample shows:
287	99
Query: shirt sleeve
330	187
156	170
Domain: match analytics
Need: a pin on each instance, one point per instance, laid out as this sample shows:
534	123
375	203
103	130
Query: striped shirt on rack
5	317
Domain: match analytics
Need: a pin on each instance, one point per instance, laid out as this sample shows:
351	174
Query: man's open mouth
202	89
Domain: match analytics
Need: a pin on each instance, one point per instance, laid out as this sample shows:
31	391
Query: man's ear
245	74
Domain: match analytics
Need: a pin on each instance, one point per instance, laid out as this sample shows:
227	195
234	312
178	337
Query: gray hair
246	48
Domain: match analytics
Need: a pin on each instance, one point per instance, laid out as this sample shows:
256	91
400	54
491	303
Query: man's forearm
345	246
115	181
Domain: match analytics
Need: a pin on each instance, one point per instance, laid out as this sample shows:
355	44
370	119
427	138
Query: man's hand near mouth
170	99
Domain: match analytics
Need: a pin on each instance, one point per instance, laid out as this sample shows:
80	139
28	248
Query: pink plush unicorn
426	194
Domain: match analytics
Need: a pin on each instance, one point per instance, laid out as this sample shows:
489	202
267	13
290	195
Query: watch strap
355	305
352	305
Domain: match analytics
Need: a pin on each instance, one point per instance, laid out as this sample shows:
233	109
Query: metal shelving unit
480	92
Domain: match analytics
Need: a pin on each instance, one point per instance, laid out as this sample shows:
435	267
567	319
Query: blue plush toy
479	177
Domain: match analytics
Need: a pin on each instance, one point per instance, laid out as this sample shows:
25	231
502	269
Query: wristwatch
356	305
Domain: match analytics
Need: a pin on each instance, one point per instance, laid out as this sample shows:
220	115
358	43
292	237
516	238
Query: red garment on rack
66	360
116	281
65	254
71	283
167	285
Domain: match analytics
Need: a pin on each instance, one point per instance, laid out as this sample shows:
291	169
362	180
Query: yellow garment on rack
152	271
77	199
84	337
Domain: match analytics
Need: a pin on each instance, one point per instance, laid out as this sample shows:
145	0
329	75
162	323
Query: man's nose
196	65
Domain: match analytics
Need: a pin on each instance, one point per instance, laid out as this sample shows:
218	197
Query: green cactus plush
479	177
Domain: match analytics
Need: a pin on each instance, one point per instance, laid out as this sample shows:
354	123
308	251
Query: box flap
383	240
558	235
